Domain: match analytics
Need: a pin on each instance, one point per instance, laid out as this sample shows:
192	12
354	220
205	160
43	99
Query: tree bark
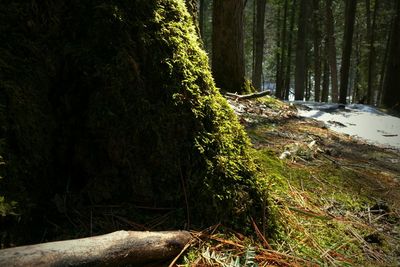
371	57
317	51
280	81
391	93
201	18
331	49
289	53
259	44
350	15
227	45
115	249
301	65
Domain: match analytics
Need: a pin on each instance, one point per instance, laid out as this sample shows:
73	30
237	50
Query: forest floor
334	198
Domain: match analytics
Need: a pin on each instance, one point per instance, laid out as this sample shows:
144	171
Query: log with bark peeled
249	96
114	249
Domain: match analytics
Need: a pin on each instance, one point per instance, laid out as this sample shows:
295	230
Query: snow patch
358	120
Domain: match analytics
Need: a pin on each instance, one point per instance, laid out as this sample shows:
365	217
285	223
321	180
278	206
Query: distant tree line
340	51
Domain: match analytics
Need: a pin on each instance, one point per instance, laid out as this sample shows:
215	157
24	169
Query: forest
200	133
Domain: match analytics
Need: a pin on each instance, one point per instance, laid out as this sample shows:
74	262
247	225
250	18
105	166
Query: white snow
358	120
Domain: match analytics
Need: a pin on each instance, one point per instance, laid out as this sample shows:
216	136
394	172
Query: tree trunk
301	66
259	44
350	15
371	57
227	45
120	248
201	18
289	53
278	89
325	82
384	65
332	50
280	82
317	51
391	93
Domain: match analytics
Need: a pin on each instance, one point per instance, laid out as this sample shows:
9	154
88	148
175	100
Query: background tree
317	50
350	13
227	45
391	96
329	24
301	64
259	44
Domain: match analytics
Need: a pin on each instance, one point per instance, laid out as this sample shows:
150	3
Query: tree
227	45
317	50
281	43
391	93
350	14
371	43
301	64
119	106
331	49
289	49
259	43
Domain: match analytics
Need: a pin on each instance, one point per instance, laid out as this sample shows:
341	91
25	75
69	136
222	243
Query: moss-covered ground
331	200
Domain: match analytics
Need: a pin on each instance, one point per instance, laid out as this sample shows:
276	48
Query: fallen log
249	96
114	249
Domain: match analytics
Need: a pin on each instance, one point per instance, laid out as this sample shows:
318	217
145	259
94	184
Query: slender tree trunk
356	89
391	93
278	56
371	57
201	18
326	73
289	52
259	44
227	42
280	83
350	15
317	51
384	65
332	50
301	66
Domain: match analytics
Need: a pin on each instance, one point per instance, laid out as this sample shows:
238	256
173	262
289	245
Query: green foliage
113	101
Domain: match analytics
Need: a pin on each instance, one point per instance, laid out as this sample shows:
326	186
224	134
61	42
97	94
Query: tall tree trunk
331	49
371	57
326	73
280	82
384	65
356	89
391	93
259	44
201	18
301	65
350	15
278	77
289	52
317	51
227	45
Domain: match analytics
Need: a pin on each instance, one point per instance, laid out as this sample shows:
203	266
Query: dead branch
249	96
114	249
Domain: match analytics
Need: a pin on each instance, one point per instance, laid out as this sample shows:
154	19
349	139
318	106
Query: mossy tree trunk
106	102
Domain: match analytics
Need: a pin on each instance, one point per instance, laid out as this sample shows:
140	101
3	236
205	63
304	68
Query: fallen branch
249	96
114	249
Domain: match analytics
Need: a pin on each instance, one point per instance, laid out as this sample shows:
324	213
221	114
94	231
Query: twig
180	254
260	235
